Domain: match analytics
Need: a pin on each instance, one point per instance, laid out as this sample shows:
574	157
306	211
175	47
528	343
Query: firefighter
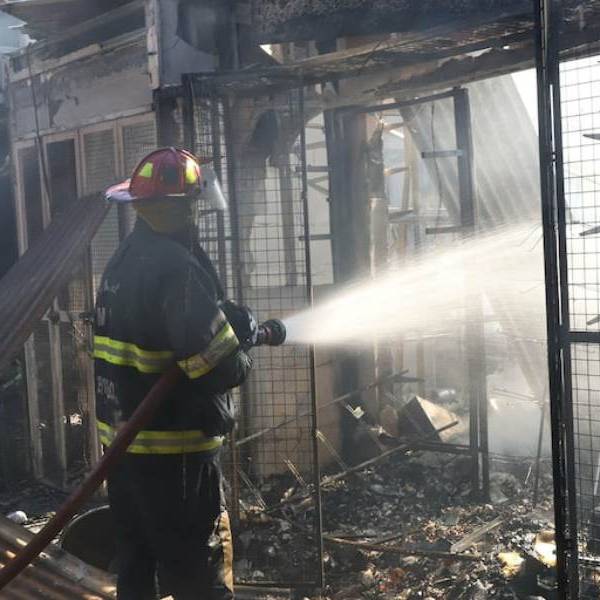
160	302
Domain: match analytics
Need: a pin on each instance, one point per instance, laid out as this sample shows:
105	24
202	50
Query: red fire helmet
170	173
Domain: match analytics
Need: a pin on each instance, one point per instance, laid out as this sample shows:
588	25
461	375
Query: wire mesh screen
59	364
99	156
44	393
214	226
75	339
580	103
580	96
138	140
257	147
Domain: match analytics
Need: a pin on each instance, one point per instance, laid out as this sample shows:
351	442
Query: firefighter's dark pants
171	528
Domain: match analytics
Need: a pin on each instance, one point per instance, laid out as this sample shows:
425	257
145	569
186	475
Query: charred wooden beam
416	62
276	21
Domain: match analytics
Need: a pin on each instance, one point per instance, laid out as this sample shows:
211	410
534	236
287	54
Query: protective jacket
157	305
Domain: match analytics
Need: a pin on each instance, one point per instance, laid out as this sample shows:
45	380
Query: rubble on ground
405	529
443	543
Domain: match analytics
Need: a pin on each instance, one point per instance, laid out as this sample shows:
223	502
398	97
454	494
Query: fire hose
270	333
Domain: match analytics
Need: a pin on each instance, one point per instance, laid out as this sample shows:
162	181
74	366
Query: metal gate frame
478	447
225	234
573	560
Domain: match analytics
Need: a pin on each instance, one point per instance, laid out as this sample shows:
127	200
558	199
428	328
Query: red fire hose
142	415
271	333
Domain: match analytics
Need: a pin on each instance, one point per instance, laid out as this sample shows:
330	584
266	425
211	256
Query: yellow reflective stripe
126	346
163	442
222	345
146	170
191	172
125	354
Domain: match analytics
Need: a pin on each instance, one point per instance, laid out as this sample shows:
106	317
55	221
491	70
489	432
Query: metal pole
474	328
313	385
189	116
565	515
568	422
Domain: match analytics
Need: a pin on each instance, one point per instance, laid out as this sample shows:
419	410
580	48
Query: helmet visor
211	193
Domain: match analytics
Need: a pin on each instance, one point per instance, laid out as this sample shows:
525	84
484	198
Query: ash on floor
409	529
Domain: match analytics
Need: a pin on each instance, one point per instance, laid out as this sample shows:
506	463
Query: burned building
340	155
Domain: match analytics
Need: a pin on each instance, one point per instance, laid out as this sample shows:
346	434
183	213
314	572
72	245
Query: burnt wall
89	90
286	20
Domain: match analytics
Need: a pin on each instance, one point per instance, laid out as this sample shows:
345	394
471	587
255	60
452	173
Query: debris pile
407	529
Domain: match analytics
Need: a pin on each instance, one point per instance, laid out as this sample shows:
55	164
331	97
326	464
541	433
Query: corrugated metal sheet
27	290
55	575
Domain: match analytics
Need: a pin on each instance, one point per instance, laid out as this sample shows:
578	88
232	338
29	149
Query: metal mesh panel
101	170
318	201
585	367
580	97
42	371
75	368
100	161
138	140
75	341
580	102
255	145
214	227
417	144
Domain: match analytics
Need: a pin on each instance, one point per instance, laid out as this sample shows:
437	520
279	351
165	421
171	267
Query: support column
346	136
474	326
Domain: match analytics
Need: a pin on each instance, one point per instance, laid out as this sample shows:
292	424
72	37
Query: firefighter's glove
243	322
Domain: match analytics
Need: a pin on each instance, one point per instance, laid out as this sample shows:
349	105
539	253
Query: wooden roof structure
484	44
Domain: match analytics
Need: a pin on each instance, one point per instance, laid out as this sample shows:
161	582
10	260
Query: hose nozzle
271	333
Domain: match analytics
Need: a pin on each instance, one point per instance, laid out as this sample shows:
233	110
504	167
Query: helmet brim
119	193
